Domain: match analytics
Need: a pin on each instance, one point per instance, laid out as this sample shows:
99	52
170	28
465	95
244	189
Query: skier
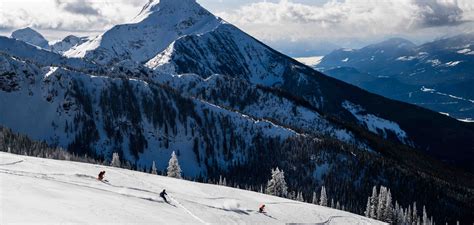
262	209
101	175
162	195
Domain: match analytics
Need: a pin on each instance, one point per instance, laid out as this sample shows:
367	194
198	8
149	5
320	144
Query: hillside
177	78
436	75
51	191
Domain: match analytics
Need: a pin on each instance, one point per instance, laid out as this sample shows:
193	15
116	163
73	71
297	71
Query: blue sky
296	27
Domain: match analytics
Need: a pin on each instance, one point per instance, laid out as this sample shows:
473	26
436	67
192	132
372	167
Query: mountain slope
30	36
32	182
228	51
443	65
229	105
67	43
157	25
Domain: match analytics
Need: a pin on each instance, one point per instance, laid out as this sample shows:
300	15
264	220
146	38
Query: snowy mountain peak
177	7
153	30
155	5
30	36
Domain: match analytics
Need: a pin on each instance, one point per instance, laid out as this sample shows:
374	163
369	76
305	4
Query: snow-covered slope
67	43
100	114
30	36
157	26
312	61
46	191
32	54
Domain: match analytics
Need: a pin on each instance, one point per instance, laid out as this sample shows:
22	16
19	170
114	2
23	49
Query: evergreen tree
415	214
323	200
409	216
388	213
174	170
367	208
153	169
426	221
373	203
315	198
277	185
382	203
115	160
299	197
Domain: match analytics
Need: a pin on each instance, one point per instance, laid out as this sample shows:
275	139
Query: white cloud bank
342	22
85	16
286	19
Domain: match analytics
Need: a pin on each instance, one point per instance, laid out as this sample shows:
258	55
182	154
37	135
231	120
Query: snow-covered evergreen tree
415	214
388	213
409	218
332	203
382	203
174	170
315	198
373	203
299	197
115	160
426	221
367	208
153	168
277	185
323	200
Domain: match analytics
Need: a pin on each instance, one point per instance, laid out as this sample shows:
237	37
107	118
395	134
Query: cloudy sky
297	27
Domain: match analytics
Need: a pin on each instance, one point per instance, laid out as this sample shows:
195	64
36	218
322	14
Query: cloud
439	13
81	7
347	19
66	16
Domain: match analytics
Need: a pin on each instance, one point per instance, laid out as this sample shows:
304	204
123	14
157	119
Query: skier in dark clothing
261	209
162	195
101	175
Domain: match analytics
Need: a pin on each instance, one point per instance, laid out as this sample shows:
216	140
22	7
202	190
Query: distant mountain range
178	78
438	75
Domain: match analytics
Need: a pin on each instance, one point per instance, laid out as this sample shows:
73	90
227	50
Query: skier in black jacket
162	195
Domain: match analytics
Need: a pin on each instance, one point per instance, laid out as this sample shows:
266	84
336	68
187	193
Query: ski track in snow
32	180
48	177
187	210
12	163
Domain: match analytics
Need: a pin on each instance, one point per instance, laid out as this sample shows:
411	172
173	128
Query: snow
424	89
434	62
375	124
43	191
406	58
467	120
444	113
30	36
152	31
433	91
67	43
453	63
310	61
466	51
